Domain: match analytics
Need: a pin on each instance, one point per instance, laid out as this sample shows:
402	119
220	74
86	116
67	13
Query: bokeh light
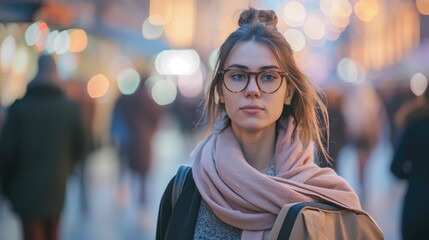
423	6
164	92
98	86
78	40
150	81
418	84
36	35
42	36
50	48
294	14
32	34
20	62
177	62
336	8
62	42
39	36
339	22
128	81
314	27
153	27
348	71
7	52
295	38
366	10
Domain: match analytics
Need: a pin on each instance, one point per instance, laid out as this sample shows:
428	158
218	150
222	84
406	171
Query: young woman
259	153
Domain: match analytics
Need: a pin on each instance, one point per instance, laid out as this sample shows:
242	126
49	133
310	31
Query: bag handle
179	182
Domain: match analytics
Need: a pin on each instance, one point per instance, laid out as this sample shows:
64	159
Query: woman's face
252	109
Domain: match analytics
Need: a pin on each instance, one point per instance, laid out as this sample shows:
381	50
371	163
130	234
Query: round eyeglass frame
256	74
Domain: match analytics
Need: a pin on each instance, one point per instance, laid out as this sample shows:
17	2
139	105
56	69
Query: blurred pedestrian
411	162
76	91
364	115
42	139
393	96
134	123
187	112
259	150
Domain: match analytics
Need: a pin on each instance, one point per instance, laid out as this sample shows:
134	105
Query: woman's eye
268	77
238	76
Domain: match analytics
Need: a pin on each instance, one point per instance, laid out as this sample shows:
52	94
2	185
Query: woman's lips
251	109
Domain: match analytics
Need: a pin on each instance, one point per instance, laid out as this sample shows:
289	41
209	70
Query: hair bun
252	15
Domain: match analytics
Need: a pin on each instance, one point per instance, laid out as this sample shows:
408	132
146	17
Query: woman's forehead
251	54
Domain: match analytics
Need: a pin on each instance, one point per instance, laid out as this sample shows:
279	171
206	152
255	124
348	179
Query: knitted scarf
242	197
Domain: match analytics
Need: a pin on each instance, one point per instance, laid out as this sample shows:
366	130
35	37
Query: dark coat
411	162
180	223
134	124
43	137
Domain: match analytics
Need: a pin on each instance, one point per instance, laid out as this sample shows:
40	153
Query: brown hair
307	108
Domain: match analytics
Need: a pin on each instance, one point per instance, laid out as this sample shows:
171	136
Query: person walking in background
258	153
76	91
186	111
42	139
411	162
134	123
364	116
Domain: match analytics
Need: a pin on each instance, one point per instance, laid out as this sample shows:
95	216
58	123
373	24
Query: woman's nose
252	88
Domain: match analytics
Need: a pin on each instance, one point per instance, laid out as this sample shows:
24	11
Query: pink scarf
242	197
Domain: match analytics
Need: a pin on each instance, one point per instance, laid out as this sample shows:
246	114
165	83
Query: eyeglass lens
236	80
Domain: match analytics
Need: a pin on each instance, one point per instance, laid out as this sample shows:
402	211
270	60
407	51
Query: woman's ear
289	94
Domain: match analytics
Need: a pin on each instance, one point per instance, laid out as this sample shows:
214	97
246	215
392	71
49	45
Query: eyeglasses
236	80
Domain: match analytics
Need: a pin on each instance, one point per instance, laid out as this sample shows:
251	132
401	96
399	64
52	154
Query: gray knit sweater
209	226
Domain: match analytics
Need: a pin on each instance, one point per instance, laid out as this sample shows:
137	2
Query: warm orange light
163	8
43	35
423	6
366	10
98	86
78	40
42	26
180	31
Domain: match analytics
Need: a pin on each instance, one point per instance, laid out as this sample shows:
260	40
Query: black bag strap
179	182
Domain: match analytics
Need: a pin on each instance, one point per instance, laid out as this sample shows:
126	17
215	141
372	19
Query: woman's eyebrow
238	66
269	67
245	67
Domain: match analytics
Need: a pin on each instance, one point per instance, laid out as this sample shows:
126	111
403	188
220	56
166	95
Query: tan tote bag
317	221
